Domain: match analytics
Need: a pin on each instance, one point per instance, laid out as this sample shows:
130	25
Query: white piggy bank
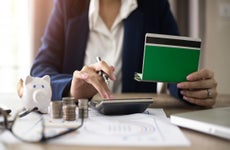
35	92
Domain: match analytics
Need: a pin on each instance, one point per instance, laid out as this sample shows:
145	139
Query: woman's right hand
87	82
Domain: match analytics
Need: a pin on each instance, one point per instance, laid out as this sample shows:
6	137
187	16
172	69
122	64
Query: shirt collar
127	6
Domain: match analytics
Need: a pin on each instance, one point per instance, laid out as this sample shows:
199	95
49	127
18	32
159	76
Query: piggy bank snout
40	96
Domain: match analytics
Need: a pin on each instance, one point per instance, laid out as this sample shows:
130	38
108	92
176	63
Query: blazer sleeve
50	56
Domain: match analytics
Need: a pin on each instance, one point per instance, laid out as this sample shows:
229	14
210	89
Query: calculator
121	106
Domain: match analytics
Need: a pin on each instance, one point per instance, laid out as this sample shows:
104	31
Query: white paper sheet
2	146
151	128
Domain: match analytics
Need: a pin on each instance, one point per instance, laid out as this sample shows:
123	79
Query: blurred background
22	25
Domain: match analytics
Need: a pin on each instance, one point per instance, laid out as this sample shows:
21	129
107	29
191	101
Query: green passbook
169	58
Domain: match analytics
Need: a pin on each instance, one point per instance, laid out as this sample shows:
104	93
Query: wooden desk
199	141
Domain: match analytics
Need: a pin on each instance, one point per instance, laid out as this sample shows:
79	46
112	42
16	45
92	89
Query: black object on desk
5	108
121	106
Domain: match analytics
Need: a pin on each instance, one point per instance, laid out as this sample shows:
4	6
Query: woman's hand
87	82
200	89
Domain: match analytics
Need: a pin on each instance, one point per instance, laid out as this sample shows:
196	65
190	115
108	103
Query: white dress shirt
108	43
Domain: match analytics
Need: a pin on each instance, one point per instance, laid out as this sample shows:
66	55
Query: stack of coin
56	109
69	109
68	101
83	104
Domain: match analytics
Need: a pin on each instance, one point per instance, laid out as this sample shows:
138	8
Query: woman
78	31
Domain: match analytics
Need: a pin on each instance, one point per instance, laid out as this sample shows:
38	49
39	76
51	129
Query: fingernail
105	95
179	85
182	92
185	98
189	77
113	77
113	69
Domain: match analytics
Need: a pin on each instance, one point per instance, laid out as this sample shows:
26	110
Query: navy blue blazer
65	38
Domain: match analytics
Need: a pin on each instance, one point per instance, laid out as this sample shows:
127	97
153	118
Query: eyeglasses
30	126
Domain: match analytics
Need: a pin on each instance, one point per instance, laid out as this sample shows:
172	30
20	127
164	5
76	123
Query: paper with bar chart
151	128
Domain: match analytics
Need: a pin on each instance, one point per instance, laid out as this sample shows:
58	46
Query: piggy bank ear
46	78
28	79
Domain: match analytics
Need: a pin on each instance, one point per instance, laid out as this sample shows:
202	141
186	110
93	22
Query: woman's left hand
200	88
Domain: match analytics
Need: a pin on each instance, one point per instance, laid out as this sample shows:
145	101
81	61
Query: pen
102	73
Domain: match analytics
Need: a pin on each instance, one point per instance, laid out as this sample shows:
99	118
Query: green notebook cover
169	58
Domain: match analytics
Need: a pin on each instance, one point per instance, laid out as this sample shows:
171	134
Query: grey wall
217	42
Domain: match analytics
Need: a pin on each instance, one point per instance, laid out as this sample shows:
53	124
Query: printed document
151	128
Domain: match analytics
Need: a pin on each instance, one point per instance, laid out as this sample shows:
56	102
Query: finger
101	87
202	74
206	103
200	94
109	70
79	77
200	84
112	68
89	76
78	85
97	82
